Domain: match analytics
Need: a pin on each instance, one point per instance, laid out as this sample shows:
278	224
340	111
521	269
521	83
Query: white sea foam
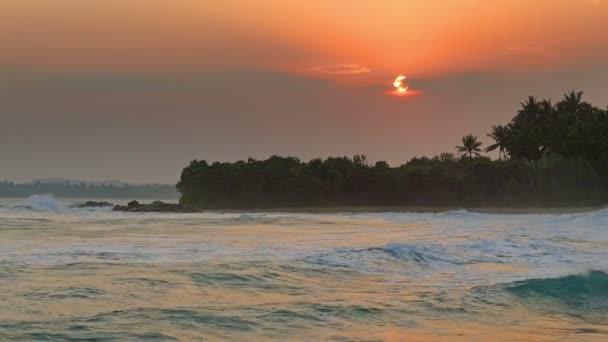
45	203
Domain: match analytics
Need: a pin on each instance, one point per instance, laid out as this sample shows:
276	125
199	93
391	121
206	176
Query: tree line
548	155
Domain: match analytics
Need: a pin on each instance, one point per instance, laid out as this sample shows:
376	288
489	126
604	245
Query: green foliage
549	155
570	129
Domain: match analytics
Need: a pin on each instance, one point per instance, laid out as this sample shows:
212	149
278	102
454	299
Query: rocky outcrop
93	204
154	207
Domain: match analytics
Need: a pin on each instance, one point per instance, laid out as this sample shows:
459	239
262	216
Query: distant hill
69	188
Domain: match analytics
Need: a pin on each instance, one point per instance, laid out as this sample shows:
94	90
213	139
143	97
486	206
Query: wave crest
44	203
582	296
571	288
377	259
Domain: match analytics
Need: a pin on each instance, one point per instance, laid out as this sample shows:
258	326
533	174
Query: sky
135	89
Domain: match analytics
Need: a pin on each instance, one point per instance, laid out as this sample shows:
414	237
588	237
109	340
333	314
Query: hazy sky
135	89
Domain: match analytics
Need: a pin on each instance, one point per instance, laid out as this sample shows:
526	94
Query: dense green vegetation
84	190
548	155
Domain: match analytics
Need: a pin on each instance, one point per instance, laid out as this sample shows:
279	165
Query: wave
420	253
601	214
484	214
44	203
572	289
580	296
66	293
376	259
457	213
397	257
504	251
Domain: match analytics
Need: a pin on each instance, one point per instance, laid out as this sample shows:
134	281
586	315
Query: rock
93	204
154	207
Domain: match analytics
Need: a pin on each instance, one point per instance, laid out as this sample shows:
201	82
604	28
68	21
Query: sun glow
400	84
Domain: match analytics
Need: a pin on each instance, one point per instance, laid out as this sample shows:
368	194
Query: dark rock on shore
154	207
94	204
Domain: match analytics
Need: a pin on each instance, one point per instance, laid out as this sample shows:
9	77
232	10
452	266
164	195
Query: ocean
74	274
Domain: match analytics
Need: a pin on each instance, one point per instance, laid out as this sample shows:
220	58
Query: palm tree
529	111
572	102
470	146
499	134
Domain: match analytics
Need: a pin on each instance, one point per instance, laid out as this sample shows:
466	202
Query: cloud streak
342	69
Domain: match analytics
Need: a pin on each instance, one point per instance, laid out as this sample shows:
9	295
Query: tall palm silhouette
572	102
470	146
500	135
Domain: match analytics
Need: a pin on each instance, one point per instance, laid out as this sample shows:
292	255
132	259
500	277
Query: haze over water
74	274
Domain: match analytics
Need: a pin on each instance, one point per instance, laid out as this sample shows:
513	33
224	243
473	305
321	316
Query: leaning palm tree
470	146
499	135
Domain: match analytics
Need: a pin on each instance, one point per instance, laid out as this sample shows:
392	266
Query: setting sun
400	84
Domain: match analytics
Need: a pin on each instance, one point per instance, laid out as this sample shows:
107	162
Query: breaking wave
44	203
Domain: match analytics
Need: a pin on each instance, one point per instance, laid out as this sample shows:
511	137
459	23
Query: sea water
92	274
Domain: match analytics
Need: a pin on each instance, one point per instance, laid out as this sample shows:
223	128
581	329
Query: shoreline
416	209
172	206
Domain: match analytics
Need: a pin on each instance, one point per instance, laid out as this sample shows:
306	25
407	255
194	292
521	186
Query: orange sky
134	89
426	37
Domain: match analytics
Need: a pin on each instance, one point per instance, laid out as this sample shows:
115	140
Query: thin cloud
342	69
